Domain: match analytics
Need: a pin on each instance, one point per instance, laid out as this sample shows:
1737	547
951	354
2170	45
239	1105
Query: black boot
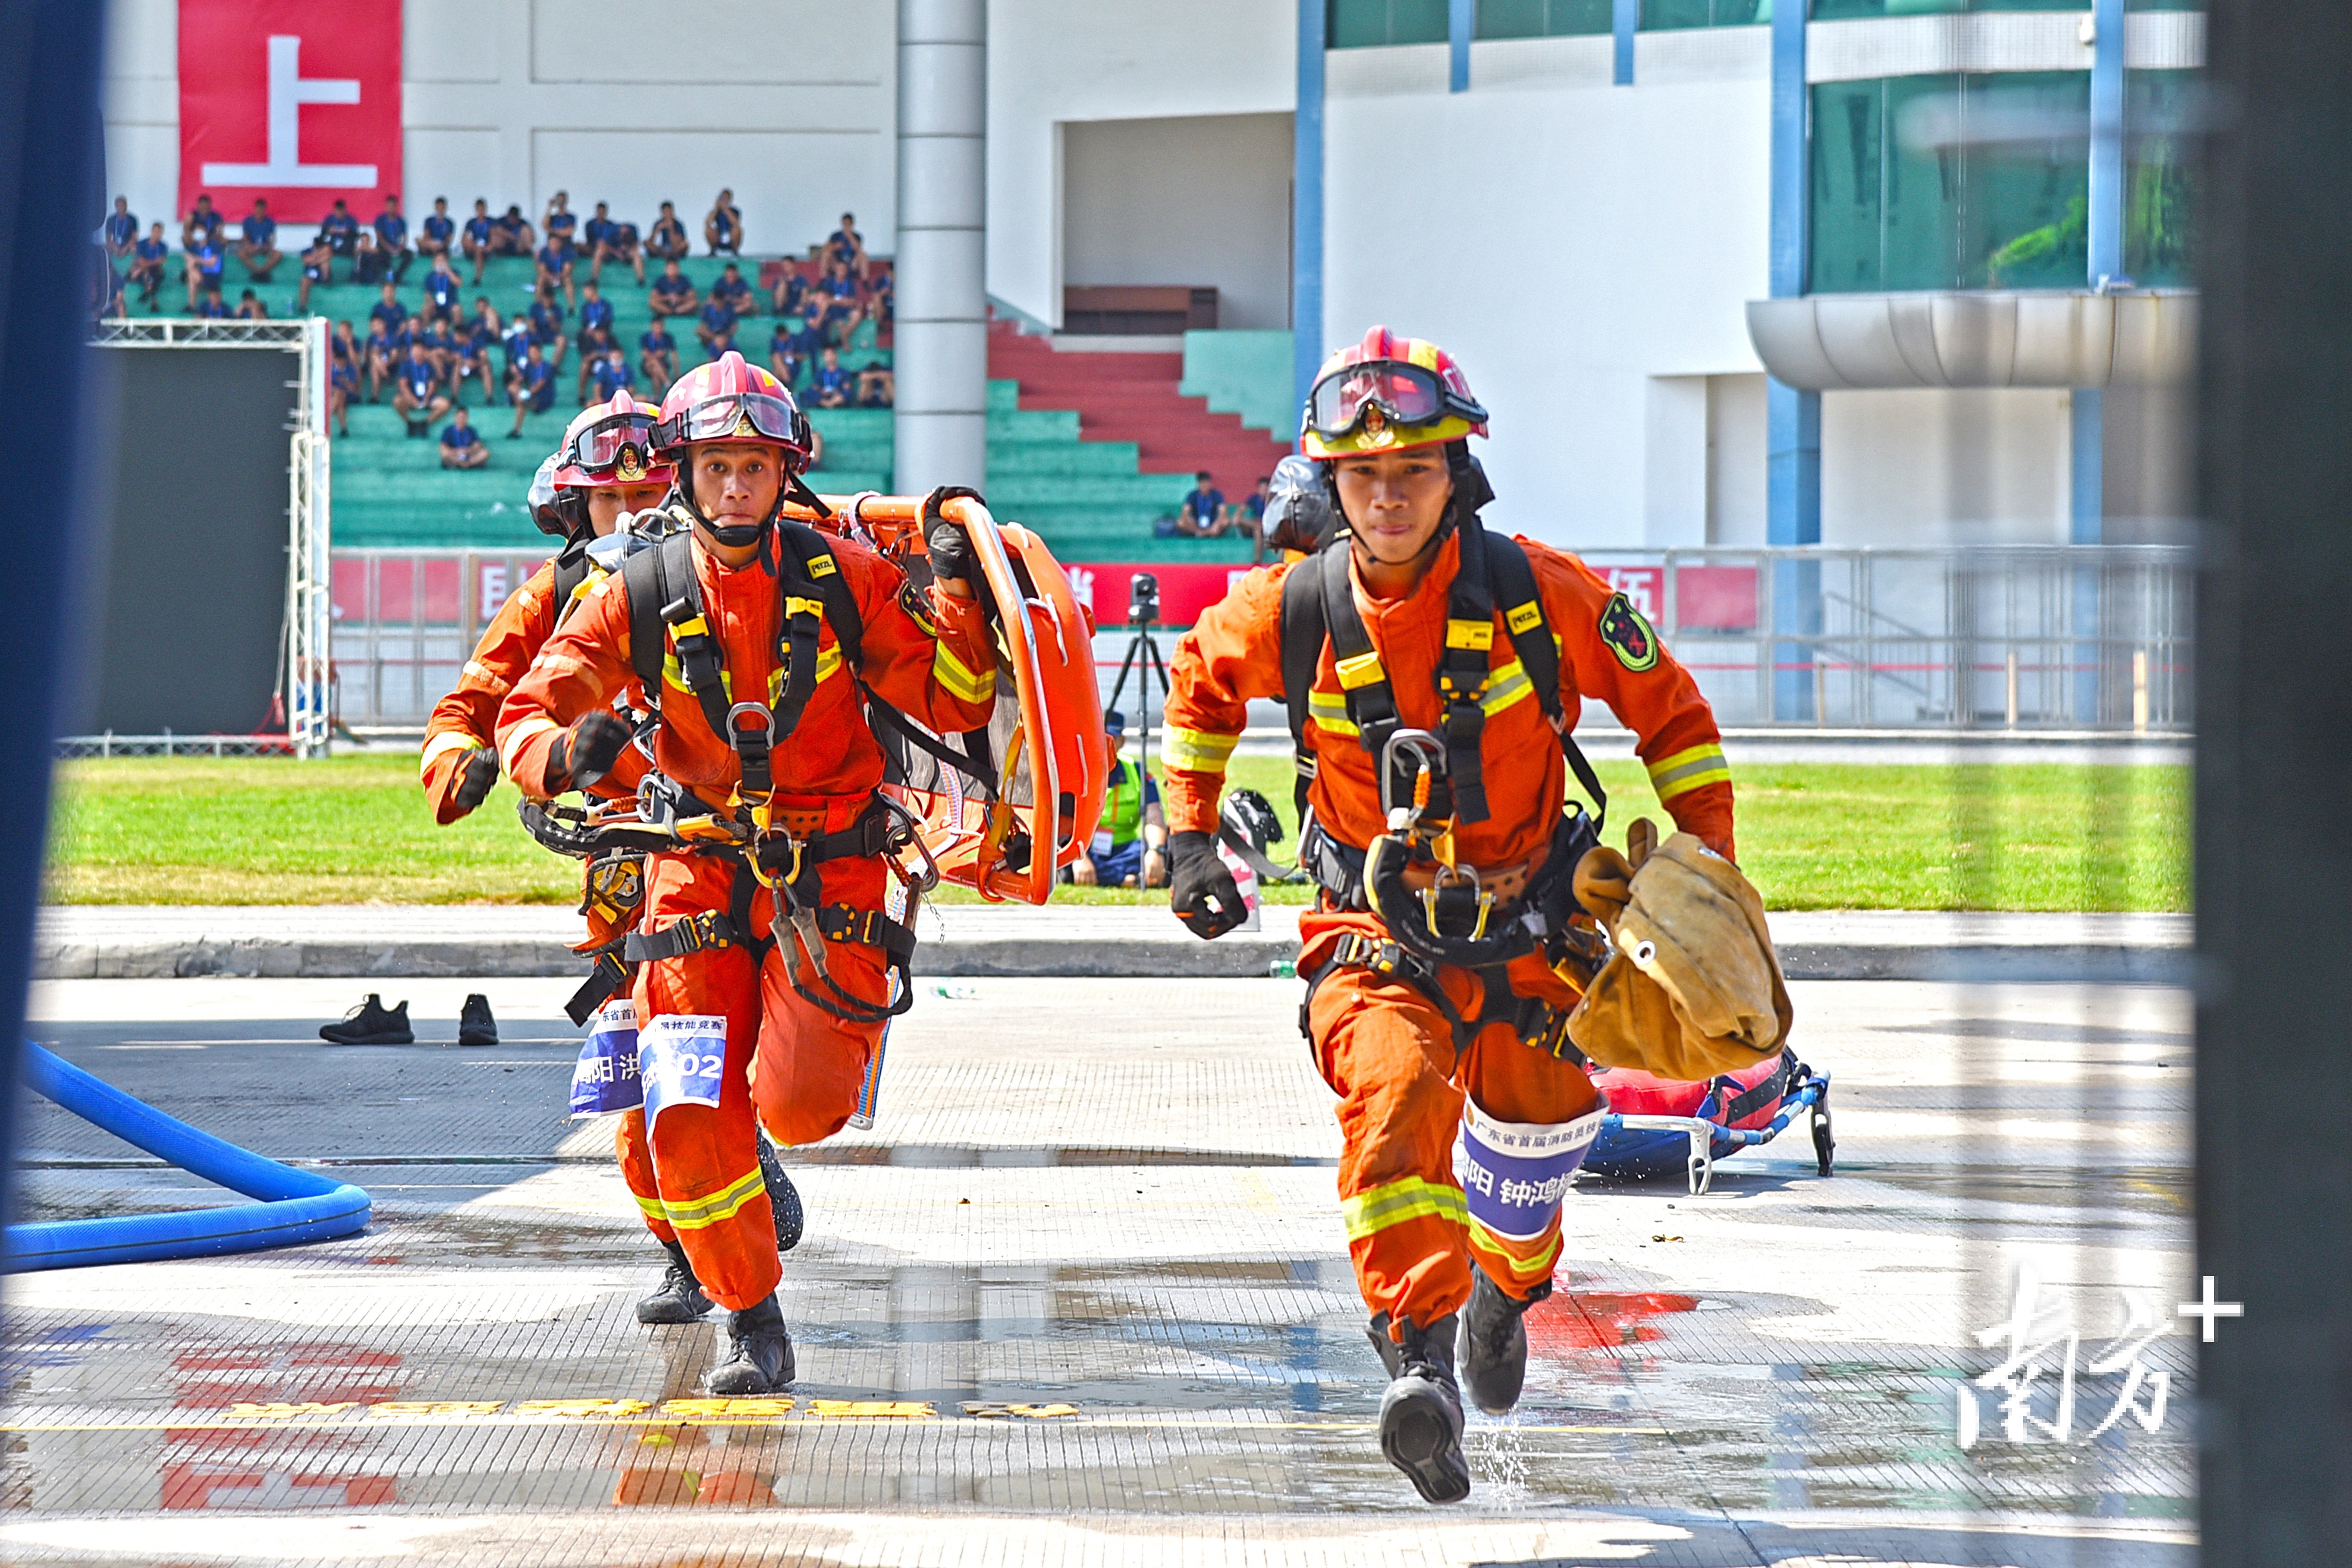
678	1299
759	1358
1421	1414
782	1197
371	1023
1493	1348
475	1024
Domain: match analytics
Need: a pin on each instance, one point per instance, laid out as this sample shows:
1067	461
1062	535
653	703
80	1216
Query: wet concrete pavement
1082	1296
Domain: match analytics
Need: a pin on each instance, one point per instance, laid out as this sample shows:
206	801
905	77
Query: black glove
476	774
585	752
948	545
1201	886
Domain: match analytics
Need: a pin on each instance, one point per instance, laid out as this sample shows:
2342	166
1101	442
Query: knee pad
606	1077
682	1060
1515	1174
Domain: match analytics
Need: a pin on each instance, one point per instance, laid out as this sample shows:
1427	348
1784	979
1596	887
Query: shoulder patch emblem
1628	635
916	603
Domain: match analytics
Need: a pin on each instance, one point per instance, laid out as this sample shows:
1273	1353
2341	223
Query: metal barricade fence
2093	637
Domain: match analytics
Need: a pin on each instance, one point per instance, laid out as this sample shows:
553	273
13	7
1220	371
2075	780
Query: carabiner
1428	754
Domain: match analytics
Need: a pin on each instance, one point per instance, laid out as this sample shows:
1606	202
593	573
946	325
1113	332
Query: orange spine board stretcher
1046	649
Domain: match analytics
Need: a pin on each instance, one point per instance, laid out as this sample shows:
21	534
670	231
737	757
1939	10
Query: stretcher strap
608	975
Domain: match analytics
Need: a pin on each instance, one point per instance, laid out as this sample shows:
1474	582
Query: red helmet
1387	394
732	400
610	444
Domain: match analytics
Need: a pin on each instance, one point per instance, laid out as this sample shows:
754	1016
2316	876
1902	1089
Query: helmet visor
739	416
1403	394
618	447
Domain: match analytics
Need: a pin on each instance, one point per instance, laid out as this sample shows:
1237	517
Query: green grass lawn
355	830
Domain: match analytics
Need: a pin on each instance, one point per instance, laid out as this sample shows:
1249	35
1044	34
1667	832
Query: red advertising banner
1186	588
295	101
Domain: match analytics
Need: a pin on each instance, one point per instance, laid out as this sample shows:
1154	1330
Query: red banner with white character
294	101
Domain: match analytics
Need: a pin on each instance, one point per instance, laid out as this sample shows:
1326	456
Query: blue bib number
683	1058
606	1078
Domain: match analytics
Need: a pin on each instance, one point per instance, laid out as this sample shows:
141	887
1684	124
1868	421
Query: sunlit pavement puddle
1082	1297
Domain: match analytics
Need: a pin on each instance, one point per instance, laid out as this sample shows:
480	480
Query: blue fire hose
295	1206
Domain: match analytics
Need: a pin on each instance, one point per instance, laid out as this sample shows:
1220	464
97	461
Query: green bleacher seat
1087	498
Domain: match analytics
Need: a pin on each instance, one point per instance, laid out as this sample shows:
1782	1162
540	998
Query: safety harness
1431	782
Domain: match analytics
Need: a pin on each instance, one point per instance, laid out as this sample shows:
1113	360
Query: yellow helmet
1388	393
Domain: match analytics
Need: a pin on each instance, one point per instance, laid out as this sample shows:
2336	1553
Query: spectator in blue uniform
666	241
595	338
444	292
391	239
531	386
121	230
480	231
609	240
249	308
673	292
789	349
835	386
474	340
318	270
846	245
722	228
437	235
715	331
560	225
461	446
257	247
204	224
388	310
1203	513
147	261
382	356
418	398
611	376
341	230
657	357
547	327
511	233
732	290
203	268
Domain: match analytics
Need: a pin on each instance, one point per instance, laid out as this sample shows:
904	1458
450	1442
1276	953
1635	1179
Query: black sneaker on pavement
475	1024
371	1023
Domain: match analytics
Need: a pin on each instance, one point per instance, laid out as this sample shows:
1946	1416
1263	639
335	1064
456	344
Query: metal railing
2069	638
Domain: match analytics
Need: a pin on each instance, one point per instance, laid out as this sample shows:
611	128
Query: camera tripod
1143	661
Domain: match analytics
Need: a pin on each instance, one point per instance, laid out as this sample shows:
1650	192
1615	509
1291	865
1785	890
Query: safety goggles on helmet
735	416
1380	393
619	447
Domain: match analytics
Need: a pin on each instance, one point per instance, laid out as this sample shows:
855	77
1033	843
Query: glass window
1362	24
1842	10
1658	16
2160	184
1950	182
1543	18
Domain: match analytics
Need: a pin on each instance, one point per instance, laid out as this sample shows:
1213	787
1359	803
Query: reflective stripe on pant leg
707	1157
1389	1054
636	1161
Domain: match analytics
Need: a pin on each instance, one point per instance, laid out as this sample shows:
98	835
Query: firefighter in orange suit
602	470
1442	954
770	967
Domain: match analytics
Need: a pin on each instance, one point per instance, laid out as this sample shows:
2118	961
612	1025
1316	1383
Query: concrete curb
1239	956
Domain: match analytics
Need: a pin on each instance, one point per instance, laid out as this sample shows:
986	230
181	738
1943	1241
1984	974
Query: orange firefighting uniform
468	716
1382	1045
795	1066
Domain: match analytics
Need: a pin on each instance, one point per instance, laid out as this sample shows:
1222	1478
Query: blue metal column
1792	418
1624	17
1461	22
2104	269
1307	206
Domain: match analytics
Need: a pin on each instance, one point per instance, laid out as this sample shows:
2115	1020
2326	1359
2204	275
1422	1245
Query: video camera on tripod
1143	599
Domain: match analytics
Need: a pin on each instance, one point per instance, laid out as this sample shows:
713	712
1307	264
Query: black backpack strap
666	611
1462	671
1302	653
571	568
1514	590
1363	679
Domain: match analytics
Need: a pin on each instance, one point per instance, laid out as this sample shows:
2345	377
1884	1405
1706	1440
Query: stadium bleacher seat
1087	498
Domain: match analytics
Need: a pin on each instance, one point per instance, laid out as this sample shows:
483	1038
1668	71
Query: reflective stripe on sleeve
539	725
960	679
1329	712
724	1204
441	745
1197	750
1505	684
483	678
1688	771
1377	1208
